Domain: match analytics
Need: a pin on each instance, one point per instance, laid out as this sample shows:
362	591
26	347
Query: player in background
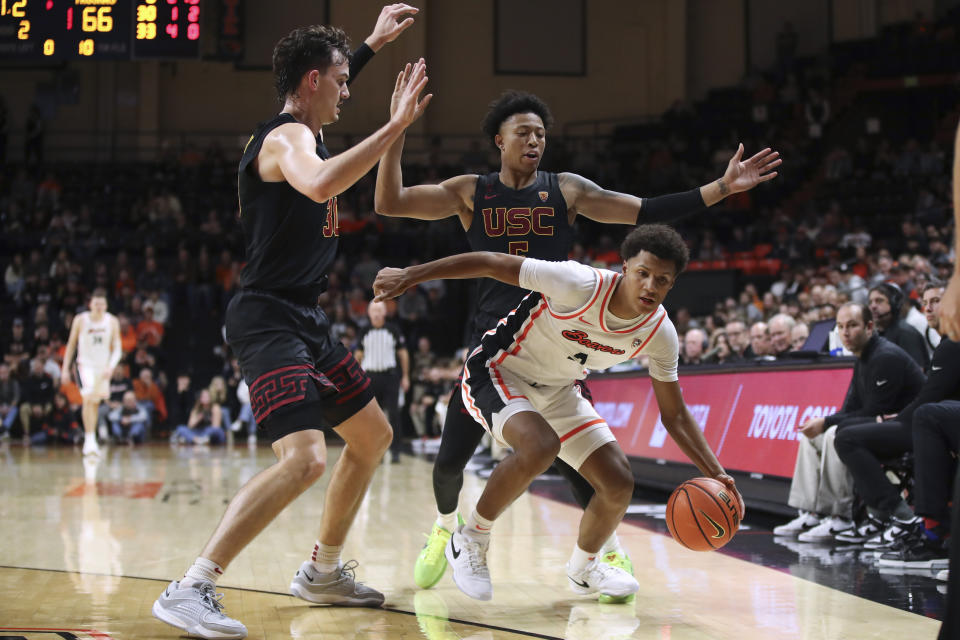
523	211
95	340
520	385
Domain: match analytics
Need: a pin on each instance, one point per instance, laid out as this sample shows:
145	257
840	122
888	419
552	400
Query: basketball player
300	378
523	211
520	385
95	340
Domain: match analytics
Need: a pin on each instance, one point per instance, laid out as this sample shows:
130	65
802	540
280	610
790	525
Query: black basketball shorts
299	376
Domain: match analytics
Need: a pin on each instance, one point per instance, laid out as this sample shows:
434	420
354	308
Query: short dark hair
99	292
660	240
510	103
865	314
932	284
304	49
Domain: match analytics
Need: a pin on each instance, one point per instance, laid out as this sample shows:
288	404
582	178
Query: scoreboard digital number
99	29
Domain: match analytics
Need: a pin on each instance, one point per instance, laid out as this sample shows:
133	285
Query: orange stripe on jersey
581	310
471	405
503	386
533	316
650	337
603	307
577	430
616	278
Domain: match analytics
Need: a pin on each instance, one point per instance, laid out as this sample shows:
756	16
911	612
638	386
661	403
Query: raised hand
405	104
390	283
743	175
388	28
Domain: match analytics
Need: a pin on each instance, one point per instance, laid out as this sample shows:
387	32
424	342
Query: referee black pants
862	446
936	439
386	389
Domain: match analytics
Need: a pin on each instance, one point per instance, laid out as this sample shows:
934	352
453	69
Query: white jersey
94	342
557	335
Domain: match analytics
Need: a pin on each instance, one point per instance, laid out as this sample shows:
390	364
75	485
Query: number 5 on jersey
518	247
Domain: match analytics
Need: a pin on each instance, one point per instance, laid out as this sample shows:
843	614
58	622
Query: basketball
702	515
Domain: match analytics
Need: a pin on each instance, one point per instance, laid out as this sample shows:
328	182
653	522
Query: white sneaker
339	587
468	559
827	530
943	575
803	522
197	610
90	447
600	576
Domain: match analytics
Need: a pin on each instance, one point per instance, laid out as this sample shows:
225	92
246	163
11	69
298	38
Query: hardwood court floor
84	551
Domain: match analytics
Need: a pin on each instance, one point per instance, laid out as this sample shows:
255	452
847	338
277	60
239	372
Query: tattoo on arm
724	189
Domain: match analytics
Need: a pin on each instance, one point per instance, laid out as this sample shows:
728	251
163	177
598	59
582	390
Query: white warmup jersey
94	341
557	337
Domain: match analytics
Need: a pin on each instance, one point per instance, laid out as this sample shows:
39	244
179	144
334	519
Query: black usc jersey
291	240
527	222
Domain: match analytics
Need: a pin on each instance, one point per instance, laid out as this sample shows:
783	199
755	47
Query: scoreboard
32	30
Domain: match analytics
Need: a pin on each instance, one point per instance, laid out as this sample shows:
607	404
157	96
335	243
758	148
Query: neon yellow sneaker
431	563
621	560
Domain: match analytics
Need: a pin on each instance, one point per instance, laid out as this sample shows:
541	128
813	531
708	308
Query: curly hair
660	240
305	49
510	103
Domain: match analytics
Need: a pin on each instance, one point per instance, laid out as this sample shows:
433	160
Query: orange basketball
702	515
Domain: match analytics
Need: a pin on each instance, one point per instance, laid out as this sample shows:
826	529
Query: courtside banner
750	419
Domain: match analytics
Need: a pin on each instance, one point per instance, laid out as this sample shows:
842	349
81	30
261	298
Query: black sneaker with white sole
896	530
858	535
924	553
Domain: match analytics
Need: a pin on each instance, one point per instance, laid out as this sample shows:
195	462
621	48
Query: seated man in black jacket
886	304
862	446
885	379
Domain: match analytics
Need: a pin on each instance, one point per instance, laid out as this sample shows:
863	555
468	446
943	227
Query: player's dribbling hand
389	284
405	104
387	28
743	175
731	484
950	309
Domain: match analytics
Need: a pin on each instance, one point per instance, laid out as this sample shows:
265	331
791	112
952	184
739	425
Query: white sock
447	520
477	527
326	558
580	559
612	544
202	569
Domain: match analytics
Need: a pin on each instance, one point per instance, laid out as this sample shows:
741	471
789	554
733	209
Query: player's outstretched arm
292	147
602	205
391	283
685	431
424	202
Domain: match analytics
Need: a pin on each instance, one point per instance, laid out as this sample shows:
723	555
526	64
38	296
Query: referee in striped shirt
380	348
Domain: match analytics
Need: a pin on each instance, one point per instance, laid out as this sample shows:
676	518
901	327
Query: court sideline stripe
528	634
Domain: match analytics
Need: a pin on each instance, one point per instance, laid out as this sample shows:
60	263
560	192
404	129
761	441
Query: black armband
358	59
672	207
